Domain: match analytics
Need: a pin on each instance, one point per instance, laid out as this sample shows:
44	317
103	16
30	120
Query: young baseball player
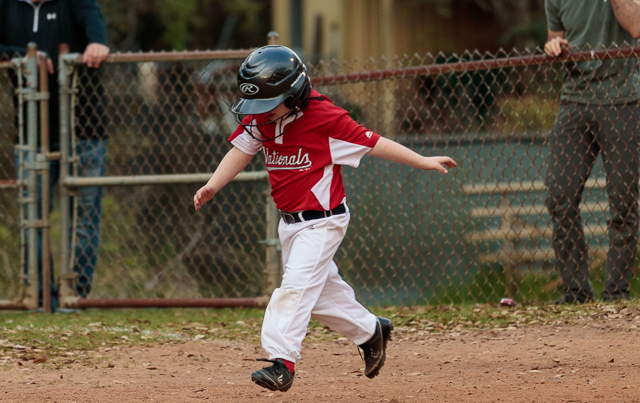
305	140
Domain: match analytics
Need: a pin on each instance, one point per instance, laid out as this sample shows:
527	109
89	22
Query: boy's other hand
439	164
202	196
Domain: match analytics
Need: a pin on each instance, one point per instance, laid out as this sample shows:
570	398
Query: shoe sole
260	380
376	369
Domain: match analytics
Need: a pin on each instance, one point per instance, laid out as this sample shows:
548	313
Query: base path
589	363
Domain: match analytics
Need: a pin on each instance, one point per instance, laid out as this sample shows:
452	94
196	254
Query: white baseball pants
312	287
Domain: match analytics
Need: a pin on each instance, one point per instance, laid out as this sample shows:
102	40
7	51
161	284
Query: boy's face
278	112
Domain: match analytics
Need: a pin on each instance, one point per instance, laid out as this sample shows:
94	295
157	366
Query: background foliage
155	25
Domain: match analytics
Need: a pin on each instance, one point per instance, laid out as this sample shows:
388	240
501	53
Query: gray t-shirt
592	25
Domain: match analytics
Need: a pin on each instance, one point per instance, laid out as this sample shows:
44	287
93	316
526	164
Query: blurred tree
522	21
145	25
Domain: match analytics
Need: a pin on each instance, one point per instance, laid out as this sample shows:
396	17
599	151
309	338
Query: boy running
305	140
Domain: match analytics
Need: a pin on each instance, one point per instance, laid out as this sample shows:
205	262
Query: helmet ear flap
299	100
292	102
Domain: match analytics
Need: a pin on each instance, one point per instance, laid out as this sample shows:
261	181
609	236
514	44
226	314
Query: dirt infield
593	362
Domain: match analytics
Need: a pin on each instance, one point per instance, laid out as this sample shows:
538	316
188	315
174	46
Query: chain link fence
478	234
9	212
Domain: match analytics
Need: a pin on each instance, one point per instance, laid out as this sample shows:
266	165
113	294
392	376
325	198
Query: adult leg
620	138
91	155
572	153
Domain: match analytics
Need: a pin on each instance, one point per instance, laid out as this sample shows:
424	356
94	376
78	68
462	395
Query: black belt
307	215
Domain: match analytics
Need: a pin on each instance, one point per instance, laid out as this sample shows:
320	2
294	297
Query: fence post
66	291
272	38
43	160
30	224
510	266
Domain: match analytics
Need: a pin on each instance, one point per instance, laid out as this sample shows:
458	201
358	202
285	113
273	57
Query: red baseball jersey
304	163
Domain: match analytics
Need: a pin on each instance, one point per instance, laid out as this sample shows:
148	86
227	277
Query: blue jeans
91	162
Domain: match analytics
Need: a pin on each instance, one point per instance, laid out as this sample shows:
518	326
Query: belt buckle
287	217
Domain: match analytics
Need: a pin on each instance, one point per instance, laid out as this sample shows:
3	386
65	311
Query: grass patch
62	339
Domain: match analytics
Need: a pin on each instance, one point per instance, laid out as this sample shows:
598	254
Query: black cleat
375	350
276	377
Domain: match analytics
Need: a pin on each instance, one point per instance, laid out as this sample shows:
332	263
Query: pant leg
572	153
91	155
620	139
338	308
308	249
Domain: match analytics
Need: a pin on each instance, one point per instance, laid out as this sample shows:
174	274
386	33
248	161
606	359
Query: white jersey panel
346	153
322	189
247	144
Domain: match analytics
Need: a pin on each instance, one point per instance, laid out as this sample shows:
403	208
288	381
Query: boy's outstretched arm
392	151
230	166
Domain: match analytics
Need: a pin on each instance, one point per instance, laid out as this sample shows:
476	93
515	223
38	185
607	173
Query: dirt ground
592	362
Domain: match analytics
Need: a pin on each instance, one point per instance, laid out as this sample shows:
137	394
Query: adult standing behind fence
598	114
81	25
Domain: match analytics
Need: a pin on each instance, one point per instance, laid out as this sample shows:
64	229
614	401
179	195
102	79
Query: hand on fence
95	54
202	196
439	164
49	62
555	46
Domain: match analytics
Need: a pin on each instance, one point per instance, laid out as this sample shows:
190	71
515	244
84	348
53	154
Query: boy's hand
202	196
439	164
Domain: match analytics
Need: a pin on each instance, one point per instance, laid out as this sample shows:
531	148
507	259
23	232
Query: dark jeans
582	132
91	156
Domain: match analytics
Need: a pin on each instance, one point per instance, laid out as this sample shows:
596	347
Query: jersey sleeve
243	141
349	141
553	16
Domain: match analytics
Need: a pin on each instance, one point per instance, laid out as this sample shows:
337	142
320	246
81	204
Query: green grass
61	339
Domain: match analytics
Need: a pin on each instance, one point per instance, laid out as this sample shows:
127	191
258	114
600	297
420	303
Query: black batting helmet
269	76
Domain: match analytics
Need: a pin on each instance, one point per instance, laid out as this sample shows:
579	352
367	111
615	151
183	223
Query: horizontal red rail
474	65
171	303
171	56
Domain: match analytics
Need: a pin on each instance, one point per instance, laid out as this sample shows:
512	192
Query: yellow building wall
372	28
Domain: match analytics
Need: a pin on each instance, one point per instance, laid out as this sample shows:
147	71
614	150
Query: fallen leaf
39	360
415	374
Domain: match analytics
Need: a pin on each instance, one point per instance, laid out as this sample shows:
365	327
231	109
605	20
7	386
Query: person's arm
628	15
392	151
230	166
556	32
555	43
89	14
